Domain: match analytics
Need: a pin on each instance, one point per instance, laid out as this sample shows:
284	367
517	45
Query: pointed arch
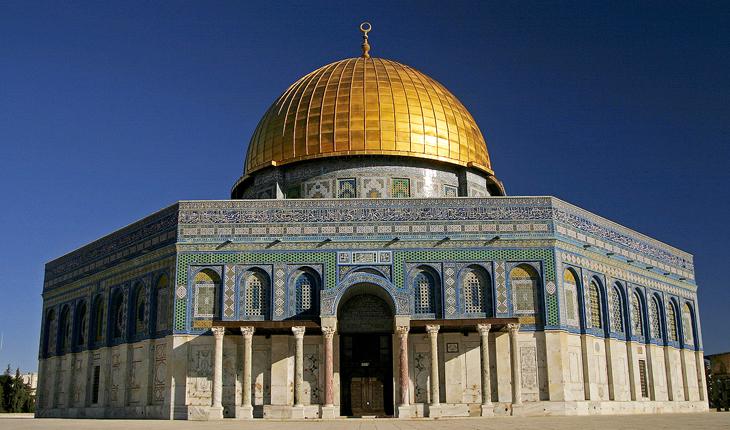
572	298
596	306
159	304
64	329
81	326
49	333
526	287
116	316
689	328
637	314
617	304
138	310
655	318
254	290
206	294
97	321
672	321
476	289
425	288
305	285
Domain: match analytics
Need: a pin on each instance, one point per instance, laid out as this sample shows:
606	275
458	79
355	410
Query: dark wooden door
366	368
367	396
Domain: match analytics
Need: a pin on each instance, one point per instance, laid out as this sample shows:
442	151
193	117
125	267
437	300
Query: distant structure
369	263
30	379
720	379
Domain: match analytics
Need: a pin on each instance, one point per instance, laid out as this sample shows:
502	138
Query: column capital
483	329
432	329
403	330
298	331
328	332
247	332
513	327
218	332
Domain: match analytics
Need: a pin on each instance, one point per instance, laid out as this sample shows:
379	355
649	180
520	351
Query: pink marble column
404	407
328	334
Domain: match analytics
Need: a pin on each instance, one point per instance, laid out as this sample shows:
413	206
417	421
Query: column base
518	410
215	413
328	412
434	411
244	412
297	412
487	410
404	412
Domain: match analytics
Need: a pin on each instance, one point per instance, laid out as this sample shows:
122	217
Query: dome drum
367	177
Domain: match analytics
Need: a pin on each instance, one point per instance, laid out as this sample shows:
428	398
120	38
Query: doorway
365	324
366	367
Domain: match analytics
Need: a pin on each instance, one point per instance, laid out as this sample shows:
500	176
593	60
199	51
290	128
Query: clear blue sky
110	111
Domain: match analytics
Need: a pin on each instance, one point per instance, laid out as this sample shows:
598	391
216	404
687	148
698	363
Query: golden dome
366	106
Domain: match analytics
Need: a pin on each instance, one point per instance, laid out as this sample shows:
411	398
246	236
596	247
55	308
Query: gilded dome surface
366	106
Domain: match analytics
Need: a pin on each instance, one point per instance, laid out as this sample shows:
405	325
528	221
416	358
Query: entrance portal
366	358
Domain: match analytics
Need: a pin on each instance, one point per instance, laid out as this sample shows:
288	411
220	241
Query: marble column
328	410
216	409
298	408
487	407
246	409
514	329
404	408
434	408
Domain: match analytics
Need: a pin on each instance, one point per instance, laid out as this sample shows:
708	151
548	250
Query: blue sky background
110	111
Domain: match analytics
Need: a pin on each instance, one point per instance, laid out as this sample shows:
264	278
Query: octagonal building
369	263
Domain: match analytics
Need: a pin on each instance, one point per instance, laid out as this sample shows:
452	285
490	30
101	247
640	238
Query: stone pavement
700	421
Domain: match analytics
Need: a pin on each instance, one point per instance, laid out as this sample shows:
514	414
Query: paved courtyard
710	420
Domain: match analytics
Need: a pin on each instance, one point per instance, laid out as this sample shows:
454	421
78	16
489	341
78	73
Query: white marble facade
561	374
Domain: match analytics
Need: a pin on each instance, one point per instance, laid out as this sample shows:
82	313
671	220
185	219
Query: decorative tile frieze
593	230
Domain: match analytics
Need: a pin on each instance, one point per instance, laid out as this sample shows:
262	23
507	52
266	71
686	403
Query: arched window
116	314
688	325
595	305
159	303
618	312
525	283
49	334
97	320
80	325
476	288
423	290
207	286
637	320
655	319
64	328
139	310
671	322
570	285
305	293
255	286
